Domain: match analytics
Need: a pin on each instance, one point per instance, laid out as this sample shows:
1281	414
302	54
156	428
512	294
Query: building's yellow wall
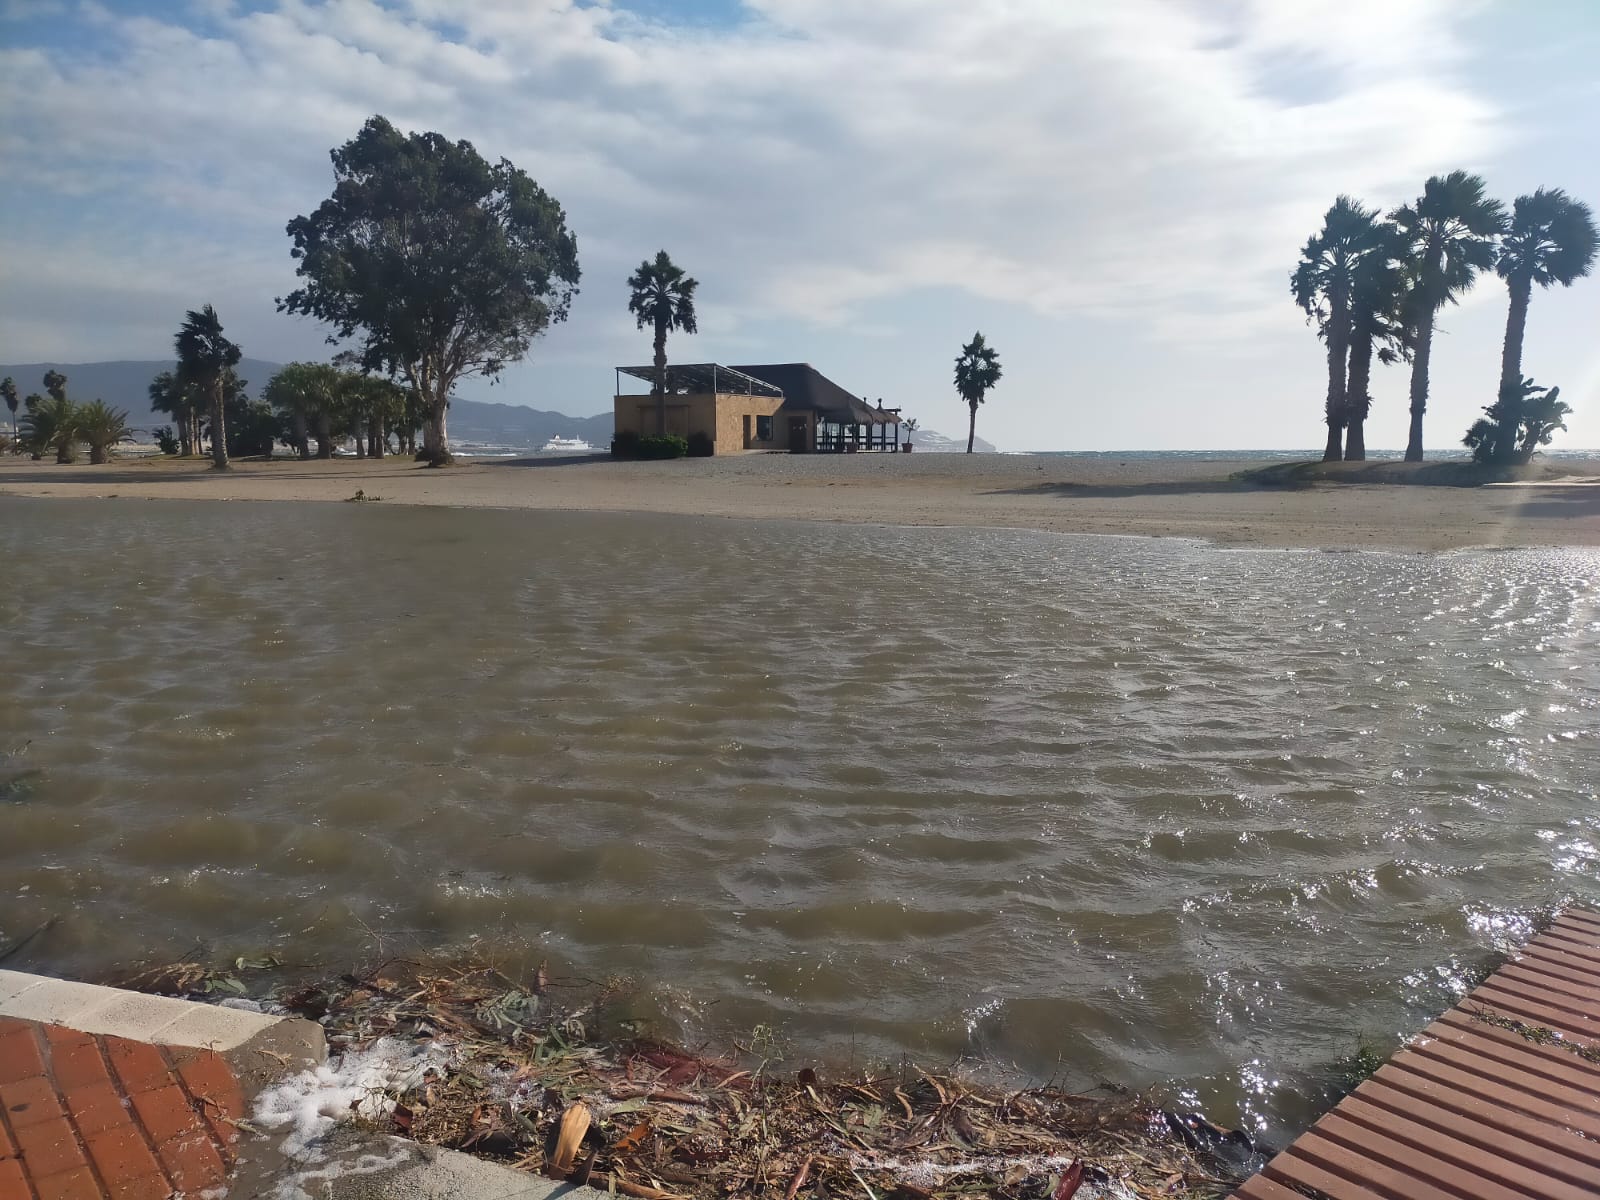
720	417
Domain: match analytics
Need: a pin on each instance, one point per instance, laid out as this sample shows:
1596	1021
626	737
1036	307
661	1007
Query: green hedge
631	445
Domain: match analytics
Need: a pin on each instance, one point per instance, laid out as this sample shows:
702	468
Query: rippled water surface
1104	808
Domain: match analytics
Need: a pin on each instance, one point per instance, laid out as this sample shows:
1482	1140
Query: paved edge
355	1164
258	1047
360	1166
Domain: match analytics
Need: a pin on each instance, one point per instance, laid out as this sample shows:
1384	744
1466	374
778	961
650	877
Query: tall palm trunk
1338	350
661	372
1420	354
302	439
219	432
1510	399
1428	302
1357	401
324	436
972	426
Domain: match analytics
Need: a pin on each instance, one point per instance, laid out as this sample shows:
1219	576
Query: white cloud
1156	162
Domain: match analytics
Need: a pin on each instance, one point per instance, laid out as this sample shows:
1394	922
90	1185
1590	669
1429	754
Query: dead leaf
633	1139
574	1124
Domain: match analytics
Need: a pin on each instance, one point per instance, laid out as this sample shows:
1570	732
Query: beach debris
470	1059
361	497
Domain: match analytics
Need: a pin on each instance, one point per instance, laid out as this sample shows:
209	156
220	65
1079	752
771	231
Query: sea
1082	809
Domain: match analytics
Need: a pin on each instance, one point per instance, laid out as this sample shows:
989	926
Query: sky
1113	193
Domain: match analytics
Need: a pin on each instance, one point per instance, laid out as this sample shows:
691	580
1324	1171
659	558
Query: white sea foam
306	1107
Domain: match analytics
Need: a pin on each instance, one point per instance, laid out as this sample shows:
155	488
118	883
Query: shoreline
1205	499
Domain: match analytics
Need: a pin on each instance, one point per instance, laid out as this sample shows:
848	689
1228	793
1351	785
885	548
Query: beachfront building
777	406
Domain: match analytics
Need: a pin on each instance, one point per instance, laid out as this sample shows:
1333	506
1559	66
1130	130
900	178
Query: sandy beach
1555	505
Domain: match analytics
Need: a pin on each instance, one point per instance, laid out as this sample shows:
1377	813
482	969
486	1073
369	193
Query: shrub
166	439
102	427
701	446
667	446
625	445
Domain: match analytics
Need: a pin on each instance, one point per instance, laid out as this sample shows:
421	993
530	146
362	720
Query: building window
763	429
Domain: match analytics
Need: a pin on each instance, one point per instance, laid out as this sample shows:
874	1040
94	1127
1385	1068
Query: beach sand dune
1557	504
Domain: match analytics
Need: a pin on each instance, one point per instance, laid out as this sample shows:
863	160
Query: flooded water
1133	810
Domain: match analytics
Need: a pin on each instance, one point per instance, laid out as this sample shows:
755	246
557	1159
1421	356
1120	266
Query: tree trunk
661	375
219	430
375	438
98	455
1420	354
972	425
1510	399
1334	408
302	441
324	436
1334	450
1358	403
186	434
435	437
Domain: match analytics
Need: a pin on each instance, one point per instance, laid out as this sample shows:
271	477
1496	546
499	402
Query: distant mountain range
125	385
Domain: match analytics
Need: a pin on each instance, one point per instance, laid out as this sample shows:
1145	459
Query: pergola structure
708	379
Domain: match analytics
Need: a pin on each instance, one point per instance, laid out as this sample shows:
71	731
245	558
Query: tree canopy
440	264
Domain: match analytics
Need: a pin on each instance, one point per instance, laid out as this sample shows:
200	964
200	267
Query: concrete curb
361	1166
257	1046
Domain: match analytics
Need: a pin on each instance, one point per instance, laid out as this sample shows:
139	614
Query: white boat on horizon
563	445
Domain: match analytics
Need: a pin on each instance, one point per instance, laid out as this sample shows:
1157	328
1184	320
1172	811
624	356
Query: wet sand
1559	505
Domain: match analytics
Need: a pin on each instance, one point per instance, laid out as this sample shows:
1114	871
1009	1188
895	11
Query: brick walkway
85	1117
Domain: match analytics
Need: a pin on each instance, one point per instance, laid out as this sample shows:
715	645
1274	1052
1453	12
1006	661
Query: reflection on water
1103	808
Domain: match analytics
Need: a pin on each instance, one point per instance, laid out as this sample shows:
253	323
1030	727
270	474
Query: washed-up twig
799	1180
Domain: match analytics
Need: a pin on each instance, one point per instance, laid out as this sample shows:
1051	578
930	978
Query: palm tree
1378	292
299	391
1322	285
172	393
1524	418
55	384
52	423
662	296
102	427
205	356
977	370
8	393
1551	239
1450	232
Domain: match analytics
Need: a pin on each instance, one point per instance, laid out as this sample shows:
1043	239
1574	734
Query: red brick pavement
87	1118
